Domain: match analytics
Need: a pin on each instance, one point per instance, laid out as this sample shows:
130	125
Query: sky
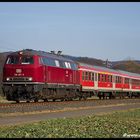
102	30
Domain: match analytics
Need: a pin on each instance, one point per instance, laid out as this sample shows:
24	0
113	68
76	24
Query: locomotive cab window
12	60
27	60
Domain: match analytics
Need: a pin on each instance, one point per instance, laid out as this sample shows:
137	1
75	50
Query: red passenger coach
97	80
105	82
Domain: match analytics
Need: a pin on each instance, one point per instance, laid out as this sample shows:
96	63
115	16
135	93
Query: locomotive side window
12	60
27	60
67	65
41	61
48	61
57	63
74	66
61	63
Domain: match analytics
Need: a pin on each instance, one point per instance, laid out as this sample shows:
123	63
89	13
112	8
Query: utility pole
107	63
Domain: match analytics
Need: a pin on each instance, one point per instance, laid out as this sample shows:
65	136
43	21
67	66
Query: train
30	75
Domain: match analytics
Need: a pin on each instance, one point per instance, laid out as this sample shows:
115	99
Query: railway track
50	106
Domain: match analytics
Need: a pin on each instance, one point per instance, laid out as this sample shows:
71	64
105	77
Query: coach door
96	81
130	83
113	81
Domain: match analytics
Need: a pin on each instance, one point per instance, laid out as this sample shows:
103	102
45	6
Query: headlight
7	79
30	78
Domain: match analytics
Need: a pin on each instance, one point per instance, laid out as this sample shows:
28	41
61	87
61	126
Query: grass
113	125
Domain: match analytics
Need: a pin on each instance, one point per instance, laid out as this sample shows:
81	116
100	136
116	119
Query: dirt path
67	112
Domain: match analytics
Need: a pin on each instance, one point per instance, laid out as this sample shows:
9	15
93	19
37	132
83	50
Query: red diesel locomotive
32	75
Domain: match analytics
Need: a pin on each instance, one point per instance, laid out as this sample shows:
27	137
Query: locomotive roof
42	53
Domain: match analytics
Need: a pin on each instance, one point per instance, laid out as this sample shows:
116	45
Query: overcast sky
102	30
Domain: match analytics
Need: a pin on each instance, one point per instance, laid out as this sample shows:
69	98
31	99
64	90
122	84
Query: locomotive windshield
20	60
12	60
27	60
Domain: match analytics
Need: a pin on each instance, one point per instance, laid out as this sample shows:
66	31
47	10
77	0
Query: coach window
126	81
132	81
95	76
116	79
107	78
103	78
138	82
119	79
83	75
89	75
110	78
86	76
98	77
92	76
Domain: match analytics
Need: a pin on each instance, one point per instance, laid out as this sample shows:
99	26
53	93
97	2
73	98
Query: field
114	125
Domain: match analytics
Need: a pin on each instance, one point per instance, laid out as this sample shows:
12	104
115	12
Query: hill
130	66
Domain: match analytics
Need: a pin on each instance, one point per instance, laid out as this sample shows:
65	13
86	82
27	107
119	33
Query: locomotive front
21	76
